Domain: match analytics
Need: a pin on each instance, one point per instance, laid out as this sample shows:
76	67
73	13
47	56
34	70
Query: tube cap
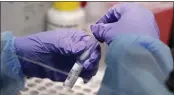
66	6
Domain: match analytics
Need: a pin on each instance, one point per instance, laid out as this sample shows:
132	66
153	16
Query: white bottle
65	15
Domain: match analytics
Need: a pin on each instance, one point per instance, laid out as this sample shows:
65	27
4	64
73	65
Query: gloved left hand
126	19
58	49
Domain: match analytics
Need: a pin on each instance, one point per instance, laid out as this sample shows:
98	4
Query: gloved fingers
117	11
78	35
100	31
74	42
93	60
91	65
71	47
87	75
111	16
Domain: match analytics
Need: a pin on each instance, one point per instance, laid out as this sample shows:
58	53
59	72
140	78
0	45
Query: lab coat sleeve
136	65
11	77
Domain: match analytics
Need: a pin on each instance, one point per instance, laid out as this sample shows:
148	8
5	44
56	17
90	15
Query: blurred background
24	18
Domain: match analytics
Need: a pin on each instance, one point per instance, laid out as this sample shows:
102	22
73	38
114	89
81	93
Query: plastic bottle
65	15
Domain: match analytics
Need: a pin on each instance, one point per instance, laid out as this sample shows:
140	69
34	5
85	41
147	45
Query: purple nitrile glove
127	18
59	49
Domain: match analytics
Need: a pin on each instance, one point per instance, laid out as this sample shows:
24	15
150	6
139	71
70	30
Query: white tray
36	86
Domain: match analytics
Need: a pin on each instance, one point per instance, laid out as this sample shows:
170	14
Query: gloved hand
59	49
127	18
136	56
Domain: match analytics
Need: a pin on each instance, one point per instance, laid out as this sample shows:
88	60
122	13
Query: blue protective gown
11	77
136	66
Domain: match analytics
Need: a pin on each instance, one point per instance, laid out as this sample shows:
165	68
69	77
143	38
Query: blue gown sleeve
11	77
136	65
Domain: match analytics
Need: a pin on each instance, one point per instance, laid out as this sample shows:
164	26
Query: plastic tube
77	68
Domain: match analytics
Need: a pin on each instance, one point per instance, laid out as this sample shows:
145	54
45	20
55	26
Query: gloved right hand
127	18
59	49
